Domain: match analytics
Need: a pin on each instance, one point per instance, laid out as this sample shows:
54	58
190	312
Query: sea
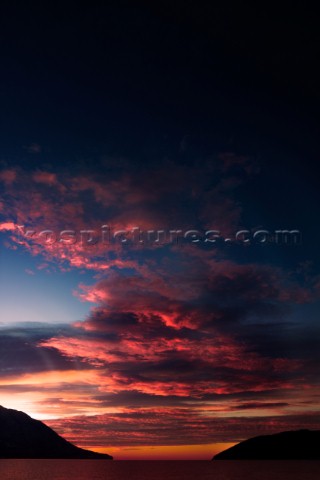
158	470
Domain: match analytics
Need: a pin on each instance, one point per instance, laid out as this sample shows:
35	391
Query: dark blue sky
141	80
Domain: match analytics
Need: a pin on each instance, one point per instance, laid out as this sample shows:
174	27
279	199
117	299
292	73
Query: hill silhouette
23	437
292	445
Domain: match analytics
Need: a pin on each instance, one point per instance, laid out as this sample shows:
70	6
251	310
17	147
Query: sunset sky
118	120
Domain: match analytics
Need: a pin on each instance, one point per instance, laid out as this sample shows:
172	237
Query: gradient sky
161	118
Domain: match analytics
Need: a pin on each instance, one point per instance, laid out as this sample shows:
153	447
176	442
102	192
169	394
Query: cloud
154	337
169	196
183	343
21	354
7	226
8	176
173	426
46	178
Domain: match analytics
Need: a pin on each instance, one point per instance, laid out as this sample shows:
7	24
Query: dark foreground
157	470
24	437
292	445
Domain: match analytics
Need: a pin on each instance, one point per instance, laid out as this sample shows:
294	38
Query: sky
149	154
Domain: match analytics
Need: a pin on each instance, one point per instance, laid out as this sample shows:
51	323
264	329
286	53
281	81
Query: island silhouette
23	437
291	445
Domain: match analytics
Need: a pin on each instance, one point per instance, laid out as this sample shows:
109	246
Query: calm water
155	470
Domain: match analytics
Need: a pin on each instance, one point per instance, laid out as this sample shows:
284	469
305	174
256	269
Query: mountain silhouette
23	437
292	445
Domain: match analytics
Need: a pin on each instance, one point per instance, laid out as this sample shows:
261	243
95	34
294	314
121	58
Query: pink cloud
8	176
175	322
29	271
46	178
7	226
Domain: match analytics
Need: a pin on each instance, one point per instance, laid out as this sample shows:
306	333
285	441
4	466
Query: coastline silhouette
291	445
23	437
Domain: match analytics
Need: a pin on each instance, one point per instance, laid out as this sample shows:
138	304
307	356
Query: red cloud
176	323
8	176
46	178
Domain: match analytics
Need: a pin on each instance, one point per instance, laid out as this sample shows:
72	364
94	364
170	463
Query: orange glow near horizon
166	452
